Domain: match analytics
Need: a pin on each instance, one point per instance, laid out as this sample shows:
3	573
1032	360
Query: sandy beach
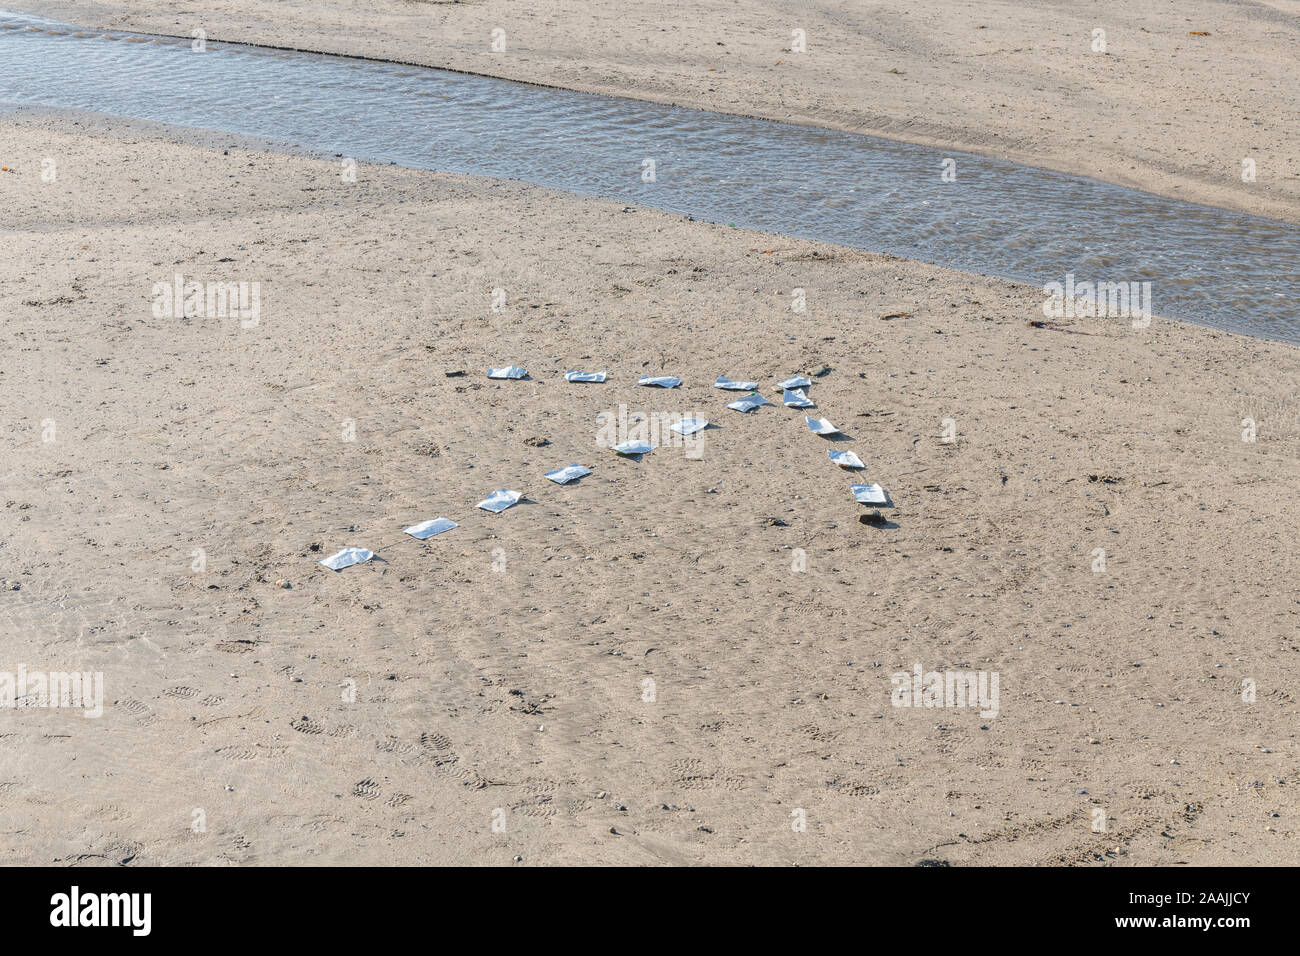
675	660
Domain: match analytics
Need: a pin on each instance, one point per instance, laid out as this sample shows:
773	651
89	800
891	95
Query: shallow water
1206	265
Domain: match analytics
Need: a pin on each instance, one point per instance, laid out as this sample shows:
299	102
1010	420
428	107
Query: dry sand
1162	109
499	670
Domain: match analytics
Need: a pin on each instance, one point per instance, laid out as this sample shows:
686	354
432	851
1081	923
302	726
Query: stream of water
1205	265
